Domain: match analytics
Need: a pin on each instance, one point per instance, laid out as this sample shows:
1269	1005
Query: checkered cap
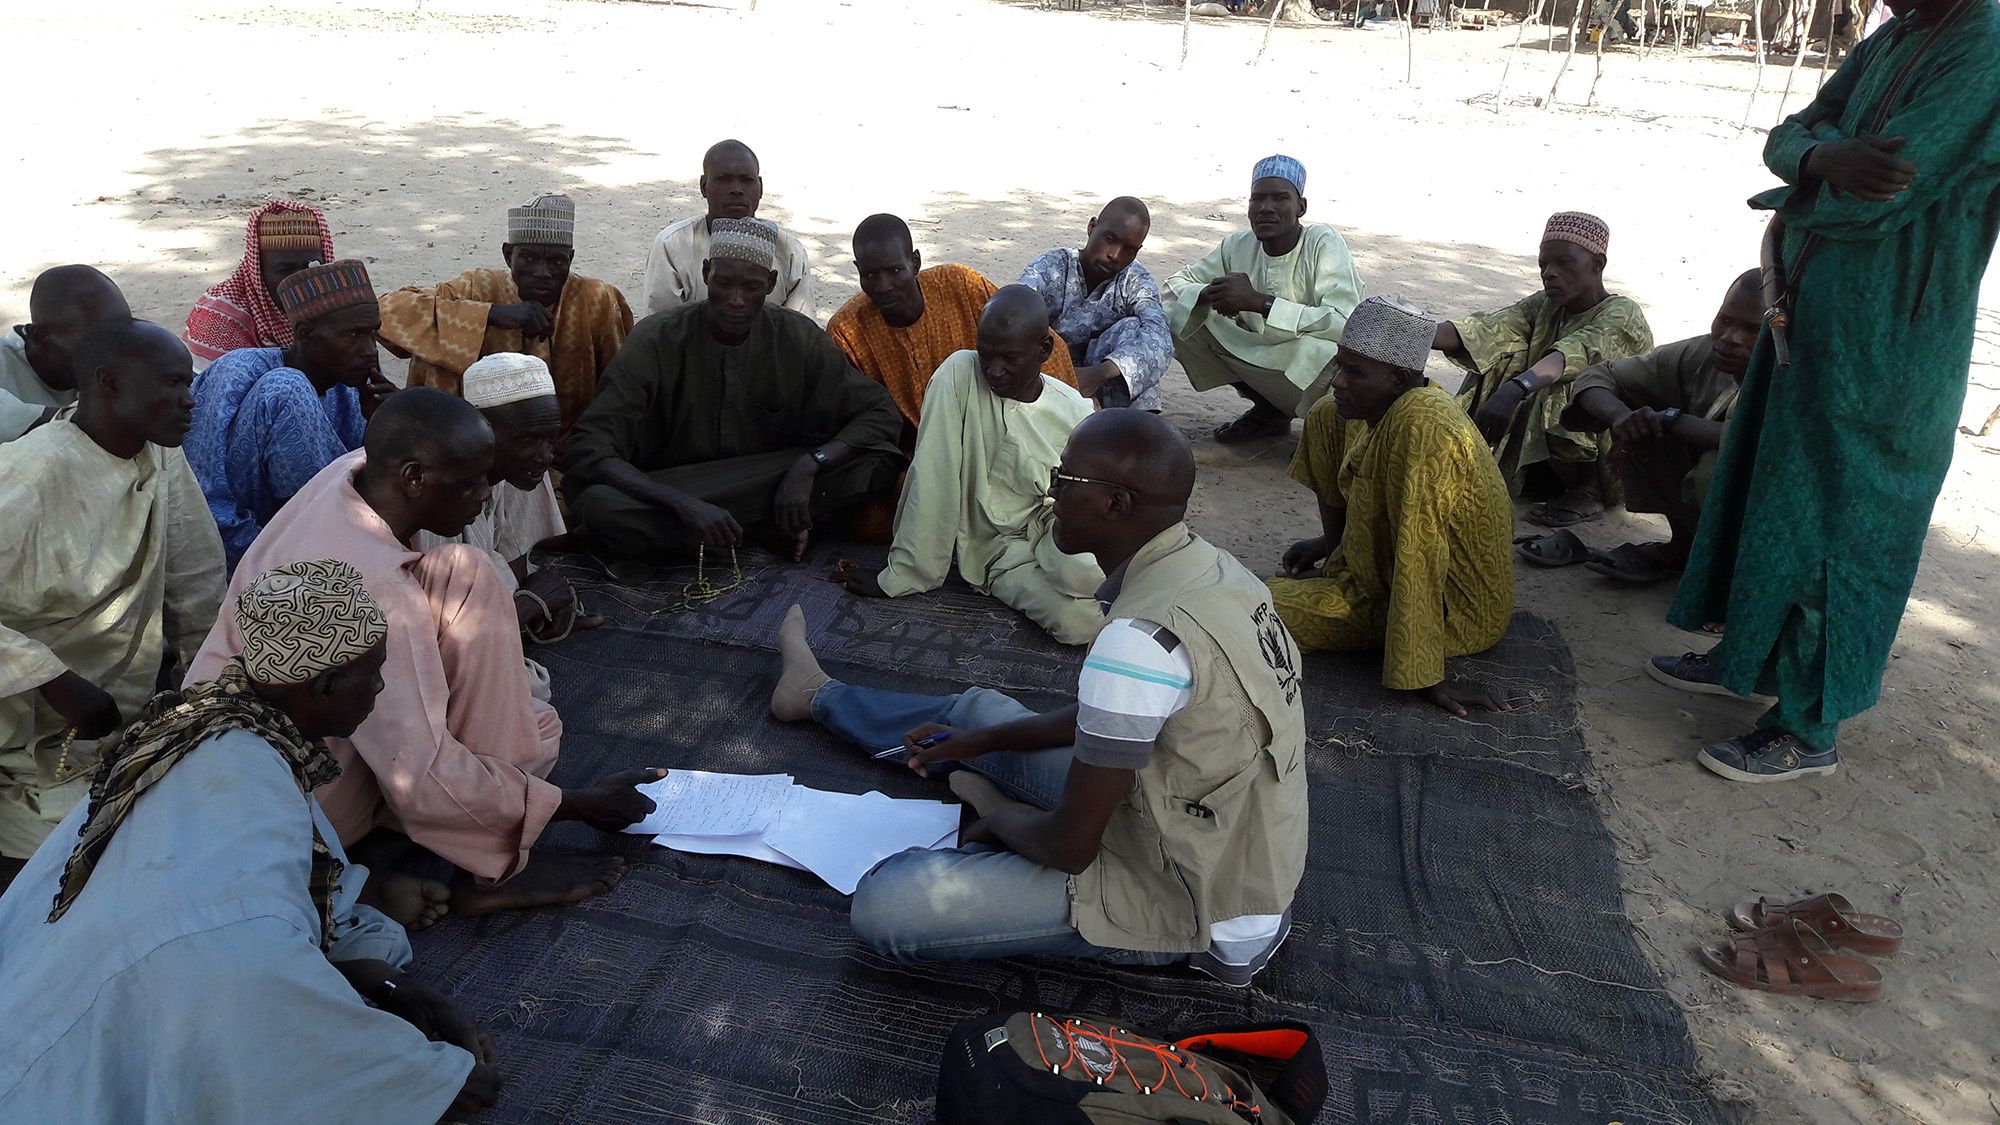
1585	230
1391	332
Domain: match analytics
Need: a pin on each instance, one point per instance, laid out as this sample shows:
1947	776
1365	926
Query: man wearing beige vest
1159	818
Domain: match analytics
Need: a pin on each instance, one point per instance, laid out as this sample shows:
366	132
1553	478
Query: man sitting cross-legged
993	428
1524	360
1262	313
108	562
537	305
1105	306
517	397
1093	839
210	955
455	754
1666	412
725	415
267	419
37	369
1415	519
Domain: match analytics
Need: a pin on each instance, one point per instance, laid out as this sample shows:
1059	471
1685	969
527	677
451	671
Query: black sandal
1255	424
1556	549
1634	564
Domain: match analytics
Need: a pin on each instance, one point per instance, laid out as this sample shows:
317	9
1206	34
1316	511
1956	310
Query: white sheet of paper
749	847
840	836
698	803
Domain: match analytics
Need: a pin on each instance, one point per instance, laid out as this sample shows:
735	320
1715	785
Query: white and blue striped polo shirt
1136	677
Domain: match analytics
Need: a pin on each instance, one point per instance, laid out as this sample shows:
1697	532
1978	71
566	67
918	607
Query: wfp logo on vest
1279	652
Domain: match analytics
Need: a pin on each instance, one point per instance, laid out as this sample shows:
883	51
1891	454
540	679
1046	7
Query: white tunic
673	269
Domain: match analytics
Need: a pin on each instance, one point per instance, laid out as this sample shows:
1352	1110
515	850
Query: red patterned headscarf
238	313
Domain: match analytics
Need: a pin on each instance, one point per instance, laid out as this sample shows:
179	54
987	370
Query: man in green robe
1816	518
1523	360
725	416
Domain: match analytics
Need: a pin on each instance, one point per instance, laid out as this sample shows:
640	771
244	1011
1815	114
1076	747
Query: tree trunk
1603	34
1800	56
1409	43
1520	33
1574	19
1277	6
1187	27
1757	83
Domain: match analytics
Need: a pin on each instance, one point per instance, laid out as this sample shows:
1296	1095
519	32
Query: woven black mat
1459	940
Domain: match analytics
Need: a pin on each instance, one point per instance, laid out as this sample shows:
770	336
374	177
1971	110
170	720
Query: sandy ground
142	134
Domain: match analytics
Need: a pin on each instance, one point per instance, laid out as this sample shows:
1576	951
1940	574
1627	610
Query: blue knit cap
1284	168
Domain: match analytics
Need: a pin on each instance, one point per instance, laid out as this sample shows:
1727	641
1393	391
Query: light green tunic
976	489
1816	518
1315	287
24	398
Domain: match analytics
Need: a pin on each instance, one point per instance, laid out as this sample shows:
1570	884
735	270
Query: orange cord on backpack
1075	1030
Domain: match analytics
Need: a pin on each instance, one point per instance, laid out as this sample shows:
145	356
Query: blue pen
922	744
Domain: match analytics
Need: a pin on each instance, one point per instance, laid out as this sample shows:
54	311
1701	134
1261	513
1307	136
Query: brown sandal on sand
1789	958
1831	916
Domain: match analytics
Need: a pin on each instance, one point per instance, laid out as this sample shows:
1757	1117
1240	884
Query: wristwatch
1669	416
1526	384
819	457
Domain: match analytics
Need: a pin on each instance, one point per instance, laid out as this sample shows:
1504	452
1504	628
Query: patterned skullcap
306	618
505	377
1391	332
317	290
1587	231
547	219
1284	168
288	230
749	240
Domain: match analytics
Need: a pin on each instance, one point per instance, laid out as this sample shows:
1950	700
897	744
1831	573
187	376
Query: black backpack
1032	1068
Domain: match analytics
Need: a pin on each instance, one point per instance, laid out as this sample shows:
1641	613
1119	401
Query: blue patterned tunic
1121	321
260	433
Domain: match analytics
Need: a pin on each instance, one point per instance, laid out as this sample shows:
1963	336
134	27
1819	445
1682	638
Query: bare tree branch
1520	33
1757	83
1575	18
1799	54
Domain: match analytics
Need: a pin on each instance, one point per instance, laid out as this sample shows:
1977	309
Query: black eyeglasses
1059	480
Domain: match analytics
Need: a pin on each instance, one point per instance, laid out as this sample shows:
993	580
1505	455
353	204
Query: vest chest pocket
1218	809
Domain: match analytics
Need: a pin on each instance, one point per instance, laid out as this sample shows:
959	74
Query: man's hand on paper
613	804
963	745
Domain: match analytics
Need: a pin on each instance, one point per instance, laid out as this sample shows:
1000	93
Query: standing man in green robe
1522	362
1816	519
727	418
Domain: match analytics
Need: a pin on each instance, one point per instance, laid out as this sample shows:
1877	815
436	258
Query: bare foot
548	880
413	901
802	676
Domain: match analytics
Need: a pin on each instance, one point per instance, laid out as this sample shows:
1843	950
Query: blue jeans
971	903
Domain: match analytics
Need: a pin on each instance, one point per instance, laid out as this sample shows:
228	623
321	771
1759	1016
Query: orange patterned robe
443	330
904	359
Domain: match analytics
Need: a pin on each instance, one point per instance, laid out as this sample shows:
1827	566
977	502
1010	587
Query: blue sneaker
1767	755
1695	672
